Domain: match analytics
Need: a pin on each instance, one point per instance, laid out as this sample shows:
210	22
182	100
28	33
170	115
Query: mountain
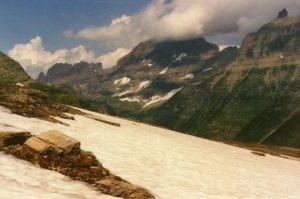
11	72
82	76
250	94
253	99
150	74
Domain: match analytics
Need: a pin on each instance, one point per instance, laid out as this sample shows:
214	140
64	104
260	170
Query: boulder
51	140
60	140
36	145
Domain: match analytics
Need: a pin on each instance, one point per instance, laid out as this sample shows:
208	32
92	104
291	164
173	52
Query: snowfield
21	179
170	164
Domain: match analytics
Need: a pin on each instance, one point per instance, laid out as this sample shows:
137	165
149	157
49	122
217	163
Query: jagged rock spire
282	14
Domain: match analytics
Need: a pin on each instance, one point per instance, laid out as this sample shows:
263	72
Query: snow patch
122	81
164	71
123	93
130	99
19	84
188	76
208	69
143	85
180	57
155	99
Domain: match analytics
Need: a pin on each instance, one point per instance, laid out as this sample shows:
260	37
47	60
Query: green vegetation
247	112
11	72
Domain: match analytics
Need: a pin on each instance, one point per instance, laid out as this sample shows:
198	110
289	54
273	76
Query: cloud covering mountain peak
184	19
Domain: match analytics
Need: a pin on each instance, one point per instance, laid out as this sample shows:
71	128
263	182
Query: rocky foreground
56	151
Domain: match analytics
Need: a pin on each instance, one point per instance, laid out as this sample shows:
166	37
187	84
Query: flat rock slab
51	140
37	145
60	140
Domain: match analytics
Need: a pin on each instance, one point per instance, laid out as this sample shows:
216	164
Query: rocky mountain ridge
192	87
150	73
83	75
254	99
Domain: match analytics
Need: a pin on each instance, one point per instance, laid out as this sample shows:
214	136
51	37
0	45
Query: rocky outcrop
275	42
81	75
33	103
56	151
282	14
42	78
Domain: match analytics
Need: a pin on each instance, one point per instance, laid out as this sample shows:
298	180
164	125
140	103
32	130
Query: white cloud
181	19
110	59
124	19
34	58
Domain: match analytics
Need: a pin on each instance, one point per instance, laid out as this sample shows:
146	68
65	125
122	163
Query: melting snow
123	93
143	85
164	71
188	76
122	81
157	98
130	99
180	57
169	164
208	69
21	179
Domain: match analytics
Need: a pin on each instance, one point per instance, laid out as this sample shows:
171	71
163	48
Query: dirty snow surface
171	165
20	179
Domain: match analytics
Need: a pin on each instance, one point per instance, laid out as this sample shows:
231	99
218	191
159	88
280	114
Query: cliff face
274	43
253	99
79	75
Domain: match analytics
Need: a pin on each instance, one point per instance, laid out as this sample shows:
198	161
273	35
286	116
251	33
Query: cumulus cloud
182	19
34	58
110	59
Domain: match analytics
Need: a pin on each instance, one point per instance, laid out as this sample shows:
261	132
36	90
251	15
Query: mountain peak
282	14
163	52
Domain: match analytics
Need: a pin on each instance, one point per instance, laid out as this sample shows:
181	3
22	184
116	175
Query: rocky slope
11	72
254	99
151	73
82	76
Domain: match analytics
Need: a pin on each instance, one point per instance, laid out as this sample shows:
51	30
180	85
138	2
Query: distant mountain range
250	94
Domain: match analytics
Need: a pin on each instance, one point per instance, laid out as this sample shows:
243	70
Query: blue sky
21	20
